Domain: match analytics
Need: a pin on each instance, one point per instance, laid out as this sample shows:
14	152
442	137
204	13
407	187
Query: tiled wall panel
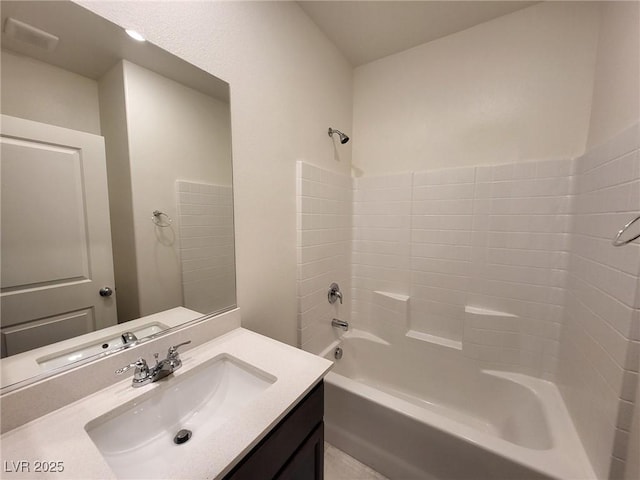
521	223
525	247
598	353
441	250
324	252
205	218
381	244
488	237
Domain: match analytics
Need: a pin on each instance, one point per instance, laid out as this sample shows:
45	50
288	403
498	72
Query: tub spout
340	324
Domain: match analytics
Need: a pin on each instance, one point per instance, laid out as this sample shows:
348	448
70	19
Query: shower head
343	138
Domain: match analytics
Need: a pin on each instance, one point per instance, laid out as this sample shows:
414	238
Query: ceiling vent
29	34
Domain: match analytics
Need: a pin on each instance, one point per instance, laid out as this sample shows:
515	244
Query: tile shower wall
381	247
441	250
205	219
599	348
480	252
521	223
471	258
324	252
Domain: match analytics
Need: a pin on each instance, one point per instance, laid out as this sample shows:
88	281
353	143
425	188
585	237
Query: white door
55	235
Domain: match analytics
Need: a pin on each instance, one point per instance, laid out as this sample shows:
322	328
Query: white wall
288	85
516	88
113	120
159	132
616	94
175	133
41	92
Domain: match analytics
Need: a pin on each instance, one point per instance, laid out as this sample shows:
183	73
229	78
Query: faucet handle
140	364
141	376
334	293
174	349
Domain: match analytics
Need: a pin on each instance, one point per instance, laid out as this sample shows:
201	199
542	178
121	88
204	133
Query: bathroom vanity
293	449
253	408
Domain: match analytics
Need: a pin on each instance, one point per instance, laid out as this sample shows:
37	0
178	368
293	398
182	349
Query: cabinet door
272	457
308	462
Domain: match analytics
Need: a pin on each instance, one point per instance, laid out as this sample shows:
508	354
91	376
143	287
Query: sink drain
182	436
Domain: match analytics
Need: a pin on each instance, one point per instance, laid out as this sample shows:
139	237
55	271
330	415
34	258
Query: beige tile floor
340	466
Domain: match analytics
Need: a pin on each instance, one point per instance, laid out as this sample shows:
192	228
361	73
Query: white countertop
60	436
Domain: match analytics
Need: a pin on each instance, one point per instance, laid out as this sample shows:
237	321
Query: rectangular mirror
116	194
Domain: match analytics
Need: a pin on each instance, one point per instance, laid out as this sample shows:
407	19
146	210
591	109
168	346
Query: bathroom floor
340	466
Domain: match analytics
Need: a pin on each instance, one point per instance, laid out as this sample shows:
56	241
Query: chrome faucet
144	375
340	324
334	293
129	337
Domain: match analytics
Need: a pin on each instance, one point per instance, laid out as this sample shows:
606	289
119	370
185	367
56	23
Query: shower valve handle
334	293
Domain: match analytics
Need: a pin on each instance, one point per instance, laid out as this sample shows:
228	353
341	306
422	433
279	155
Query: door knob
106	292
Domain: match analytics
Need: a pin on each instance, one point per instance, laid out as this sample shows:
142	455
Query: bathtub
423	411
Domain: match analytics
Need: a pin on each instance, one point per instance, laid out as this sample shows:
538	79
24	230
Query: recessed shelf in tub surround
391	307
442	341
484	328
292	374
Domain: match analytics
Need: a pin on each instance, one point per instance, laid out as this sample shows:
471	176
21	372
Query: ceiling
90	46
365	31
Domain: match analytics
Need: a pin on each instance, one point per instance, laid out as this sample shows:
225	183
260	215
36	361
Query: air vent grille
26	33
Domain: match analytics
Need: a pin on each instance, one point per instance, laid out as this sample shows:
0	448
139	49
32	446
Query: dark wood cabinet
293	450
308	461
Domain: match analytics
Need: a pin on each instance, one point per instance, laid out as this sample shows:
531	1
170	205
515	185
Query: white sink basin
137	438
105	344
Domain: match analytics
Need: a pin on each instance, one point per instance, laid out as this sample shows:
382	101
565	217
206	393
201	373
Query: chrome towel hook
617	242
159	221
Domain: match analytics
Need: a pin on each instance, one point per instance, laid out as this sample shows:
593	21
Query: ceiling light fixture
135	35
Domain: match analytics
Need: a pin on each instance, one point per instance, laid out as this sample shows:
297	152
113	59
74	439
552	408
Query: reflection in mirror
116	196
